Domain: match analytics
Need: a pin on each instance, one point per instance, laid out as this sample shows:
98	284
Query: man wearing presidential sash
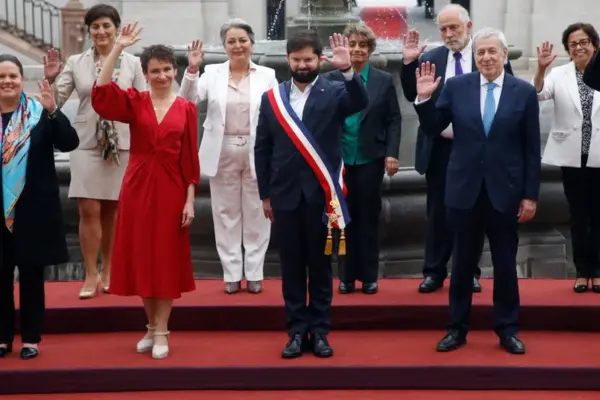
299	170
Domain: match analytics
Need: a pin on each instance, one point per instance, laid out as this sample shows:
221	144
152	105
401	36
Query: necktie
457	66
489	109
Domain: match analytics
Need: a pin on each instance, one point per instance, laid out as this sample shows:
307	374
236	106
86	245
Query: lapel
255	95
222	83
474	97
596	104
316	94
440	66
572	87
373	89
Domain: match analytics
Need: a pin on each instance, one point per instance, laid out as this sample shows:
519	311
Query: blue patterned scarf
15	152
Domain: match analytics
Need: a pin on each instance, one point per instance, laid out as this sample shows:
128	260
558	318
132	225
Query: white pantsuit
228	160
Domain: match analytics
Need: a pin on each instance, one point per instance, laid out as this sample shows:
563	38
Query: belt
238	140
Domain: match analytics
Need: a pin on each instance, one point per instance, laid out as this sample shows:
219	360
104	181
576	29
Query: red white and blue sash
336	214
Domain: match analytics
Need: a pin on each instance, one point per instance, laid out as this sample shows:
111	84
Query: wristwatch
346	69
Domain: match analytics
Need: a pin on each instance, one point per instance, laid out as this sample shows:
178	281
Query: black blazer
381	121
438	57
507	161
283	175
591	76
38	232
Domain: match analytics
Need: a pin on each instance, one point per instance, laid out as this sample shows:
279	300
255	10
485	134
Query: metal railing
35	21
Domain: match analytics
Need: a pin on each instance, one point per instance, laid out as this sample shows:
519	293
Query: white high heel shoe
147	342
160	351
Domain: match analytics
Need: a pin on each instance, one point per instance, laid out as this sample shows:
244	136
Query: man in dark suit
370	146
433	149
298	166
493	177
591	76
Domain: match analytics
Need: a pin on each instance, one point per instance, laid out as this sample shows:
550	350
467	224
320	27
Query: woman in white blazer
233	91
574	144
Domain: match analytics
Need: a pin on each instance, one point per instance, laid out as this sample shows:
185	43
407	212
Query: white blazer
212	86
563	147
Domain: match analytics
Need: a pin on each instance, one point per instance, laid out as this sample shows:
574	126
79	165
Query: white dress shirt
466	63
298	97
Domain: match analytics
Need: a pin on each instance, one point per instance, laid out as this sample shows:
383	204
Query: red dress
152	255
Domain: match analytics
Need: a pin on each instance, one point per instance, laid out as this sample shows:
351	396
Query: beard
305	76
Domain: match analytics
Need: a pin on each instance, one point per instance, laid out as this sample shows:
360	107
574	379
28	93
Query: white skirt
95	178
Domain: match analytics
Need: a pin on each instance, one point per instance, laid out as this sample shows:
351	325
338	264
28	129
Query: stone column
488	13
518	28
215	13
72	28
256	15
292	8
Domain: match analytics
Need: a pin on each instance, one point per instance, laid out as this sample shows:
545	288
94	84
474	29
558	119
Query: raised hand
427	83
52	65
340	50
46	96
411	49
129	35
545	56
195	56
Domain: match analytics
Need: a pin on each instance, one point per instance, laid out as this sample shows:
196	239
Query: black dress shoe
346	288
452	341
27	353
476	285
321	347
581	287
430	285
370	288
512	344
5	350
295	346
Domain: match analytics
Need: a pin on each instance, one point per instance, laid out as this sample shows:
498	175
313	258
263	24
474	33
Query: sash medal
336	211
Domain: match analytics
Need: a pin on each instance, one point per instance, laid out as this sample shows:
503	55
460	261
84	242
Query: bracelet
346	69
52	115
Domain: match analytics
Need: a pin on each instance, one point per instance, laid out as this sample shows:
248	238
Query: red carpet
363	360
381	342
546	305
329	394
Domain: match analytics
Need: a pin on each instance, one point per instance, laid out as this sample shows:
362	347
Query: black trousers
582	190
365	185
469	228
439	239
301	236
31	296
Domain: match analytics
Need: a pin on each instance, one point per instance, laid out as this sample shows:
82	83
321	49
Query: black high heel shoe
5	350
581	288
595	287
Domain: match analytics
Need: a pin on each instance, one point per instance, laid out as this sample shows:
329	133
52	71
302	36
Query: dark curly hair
158	52
587	28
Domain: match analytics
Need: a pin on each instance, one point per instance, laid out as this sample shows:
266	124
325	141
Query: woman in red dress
152	255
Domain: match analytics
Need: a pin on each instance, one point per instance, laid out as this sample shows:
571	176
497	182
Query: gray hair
486	33
236	23
463	13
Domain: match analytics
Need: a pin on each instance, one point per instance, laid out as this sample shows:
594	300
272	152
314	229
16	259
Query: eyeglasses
583	43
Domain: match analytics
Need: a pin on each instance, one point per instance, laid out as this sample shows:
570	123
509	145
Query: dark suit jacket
507	161
381	121
282	173
591	76
439	57
38	231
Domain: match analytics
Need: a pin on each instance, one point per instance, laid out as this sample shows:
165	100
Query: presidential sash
336	210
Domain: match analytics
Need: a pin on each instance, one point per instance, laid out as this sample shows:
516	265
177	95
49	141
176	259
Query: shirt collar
499	81
466	52
308	87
